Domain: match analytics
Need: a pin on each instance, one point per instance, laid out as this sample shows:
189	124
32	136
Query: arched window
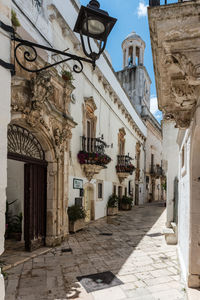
21	142
89	123
121	141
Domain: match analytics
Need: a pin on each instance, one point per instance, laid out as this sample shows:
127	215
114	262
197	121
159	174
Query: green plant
113	201
75	213
127	200
17	223
14	19
67	75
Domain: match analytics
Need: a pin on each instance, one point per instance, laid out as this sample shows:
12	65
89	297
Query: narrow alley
130	245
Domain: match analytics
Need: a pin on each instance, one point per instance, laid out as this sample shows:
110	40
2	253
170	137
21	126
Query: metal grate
21	141
99	281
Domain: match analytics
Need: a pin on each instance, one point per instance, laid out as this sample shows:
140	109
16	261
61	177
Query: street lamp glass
94	26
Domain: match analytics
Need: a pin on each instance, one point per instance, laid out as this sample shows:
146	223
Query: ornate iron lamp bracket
30	54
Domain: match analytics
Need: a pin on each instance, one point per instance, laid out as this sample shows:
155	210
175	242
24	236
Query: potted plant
76	216
16	227
112	205
14	20
126	203
67	75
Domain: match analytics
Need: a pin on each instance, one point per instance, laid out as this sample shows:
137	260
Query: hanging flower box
93	158
125	169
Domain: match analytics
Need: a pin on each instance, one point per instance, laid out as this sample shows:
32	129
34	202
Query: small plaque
77	183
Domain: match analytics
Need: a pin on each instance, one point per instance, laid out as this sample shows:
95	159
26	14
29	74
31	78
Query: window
114	189
183	157
120	192
125	192
152	159
100	190
121	141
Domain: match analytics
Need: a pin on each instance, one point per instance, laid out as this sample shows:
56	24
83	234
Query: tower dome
133	50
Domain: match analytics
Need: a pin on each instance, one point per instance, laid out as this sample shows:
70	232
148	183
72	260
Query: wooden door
34	205
136	194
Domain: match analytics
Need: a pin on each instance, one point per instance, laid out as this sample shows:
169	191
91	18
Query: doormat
105	233
99	281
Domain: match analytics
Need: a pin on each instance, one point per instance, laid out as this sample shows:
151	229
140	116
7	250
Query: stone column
134	55
5	14
141	57
126	57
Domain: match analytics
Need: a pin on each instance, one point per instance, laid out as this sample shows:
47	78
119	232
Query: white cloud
142	10
154	108
153	104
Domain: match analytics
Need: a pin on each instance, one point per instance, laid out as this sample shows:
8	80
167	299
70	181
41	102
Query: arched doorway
26	188
89	202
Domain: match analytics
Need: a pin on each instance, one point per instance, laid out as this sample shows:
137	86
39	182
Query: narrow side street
136	253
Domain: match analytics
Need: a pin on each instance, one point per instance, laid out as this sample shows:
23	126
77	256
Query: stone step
170	236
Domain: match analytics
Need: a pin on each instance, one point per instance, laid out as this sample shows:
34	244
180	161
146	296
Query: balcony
165	2
124	168
92	156
156	171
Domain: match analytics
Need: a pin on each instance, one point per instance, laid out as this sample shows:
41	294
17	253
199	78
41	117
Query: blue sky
131	15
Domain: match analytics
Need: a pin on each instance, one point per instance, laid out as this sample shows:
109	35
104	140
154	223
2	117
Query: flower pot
126	206
15	235
77	225
112	211
65	77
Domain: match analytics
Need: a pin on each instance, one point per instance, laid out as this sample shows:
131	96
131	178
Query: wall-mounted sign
77	183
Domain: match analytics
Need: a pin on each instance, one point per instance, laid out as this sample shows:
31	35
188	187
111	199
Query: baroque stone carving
184	81
91	170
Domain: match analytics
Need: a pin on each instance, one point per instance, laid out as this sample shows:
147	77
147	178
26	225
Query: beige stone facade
5	15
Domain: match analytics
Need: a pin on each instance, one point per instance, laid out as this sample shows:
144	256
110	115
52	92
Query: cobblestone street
136	253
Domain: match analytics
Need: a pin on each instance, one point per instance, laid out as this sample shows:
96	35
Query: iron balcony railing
156	170
123	160
166	2
93	152
124	164
93	145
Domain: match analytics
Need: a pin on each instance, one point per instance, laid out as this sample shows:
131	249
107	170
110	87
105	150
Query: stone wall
5	76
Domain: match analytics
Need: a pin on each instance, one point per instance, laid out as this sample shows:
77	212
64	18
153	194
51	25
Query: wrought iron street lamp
92	22
95	23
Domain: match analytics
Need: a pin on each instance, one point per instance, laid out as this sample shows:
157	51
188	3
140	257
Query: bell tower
133	50
134	76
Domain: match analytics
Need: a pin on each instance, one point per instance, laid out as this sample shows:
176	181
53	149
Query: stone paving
136	253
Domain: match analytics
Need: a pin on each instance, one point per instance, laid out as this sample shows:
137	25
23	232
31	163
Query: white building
175	39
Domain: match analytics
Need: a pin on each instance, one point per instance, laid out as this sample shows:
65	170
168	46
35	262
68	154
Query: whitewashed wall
171	163
5	80
184	202
56	23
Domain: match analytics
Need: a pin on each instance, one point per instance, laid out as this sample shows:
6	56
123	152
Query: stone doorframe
194	239
41	105
90	186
